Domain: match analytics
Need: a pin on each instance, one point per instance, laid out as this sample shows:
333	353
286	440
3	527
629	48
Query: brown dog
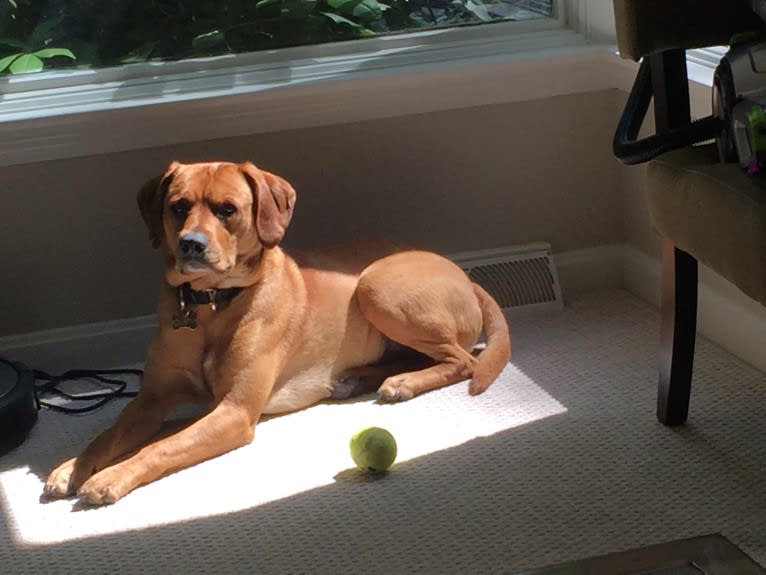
247	329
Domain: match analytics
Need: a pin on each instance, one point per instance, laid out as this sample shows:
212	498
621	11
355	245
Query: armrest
648	26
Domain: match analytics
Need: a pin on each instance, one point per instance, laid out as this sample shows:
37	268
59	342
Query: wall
638	230
75	249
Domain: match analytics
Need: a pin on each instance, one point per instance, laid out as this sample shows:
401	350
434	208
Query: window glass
51	34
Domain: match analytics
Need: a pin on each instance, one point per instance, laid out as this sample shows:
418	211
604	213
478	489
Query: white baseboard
726	317
124	342
641	275
87	346
724	314
590	269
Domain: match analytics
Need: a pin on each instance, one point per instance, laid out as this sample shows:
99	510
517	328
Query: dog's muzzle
192	249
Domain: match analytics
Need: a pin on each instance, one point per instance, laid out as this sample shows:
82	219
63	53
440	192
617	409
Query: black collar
215	298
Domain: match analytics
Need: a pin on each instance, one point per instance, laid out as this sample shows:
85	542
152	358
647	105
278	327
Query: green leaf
367	10
208	40
12	42
263	3
26	63
13	3
140	54
40	35
298	9
53	52
86	52
5	62
45	27
338	19
359	9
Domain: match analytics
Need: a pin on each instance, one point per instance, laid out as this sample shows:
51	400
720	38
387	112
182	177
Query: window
52	34
71	108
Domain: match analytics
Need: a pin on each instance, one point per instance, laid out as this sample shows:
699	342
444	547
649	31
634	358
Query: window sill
51	117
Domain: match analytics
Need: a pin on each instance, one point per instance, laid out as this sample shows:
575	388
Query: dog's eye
180	207
225	210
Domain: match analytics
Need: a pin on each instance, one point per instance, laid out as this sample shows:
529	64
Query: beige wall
638	230
75	250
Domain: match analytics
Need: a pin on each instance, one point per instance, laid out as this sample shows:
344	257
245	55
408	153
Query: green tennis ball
373	449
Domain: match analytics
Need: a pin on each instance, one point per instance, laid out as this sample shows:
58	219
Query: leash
107	387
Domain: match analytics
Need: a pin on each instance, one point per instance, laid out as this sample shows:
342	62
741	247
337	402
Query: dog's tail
497	354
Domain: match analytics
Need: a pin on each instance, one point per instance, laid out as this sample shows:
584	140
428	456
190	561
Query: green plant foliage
41	34
23	63
29	55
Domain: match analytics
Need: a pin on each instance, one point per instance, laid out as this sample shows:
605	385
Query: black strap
630	150
216	297
106	389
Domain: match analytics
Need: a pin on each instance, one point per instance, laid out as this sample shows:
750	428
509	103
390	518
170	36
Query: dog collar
212	297
186	316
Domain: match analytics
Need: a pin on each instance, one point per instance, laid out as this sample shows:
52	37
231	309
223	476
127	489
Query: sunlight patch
291	454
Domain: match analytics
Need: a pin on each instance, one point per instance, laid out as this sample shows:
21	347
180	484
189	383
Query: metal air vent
521	276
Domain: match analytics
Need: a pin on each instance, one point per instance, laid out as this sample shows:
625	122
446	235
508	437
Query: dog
248	329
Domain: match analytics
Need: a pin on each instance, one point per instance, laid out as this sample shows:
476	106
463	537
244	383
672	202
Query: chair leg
678	329
679	270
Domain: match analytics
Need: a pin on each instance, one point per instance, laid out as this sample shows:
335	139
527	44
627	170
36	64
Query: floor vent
517	277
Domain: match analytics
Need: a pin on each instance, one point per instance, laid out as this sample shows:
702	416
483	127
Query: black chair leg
678	309
678	330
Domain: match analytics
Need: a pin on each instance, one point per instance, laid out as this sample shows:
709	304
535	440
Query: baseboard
726	317
724	314
590	269
87	346
641	275
124	342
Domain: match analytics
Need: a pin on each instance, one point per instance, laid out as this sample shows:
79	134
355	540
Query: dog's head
212	218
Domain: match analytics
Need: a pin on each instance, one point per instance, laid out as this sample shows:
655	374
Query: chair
705	211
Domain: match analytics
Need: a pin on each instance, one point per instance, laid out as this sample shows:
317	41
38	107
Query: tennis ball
373	449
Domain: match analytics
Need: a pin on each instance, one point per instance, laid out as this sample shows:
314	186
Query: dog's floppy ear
150	198
273	203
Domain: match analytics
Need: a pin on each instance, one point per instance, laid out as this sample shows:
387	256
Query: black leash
107	388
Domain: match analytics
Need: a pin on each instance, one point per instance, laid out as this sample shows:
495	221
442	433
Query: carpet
704	555
562	458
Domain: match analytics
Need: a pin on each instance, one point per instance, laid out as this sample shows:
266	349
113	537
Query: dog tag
185	318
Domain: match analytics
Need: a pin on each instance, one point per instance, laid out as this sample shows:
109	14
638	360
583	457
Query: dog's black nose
193	244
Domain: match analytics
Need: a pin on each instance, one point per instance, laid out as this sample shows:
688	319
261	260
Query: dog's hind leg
453	367
366	379
427	303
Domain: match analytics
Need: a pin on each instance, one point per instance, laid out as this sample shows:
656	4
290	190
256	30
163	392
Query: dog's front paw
395	388
105	487
60	482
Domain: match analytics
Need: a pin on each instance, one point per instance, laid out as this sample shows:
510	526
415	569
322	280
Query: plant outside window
53	34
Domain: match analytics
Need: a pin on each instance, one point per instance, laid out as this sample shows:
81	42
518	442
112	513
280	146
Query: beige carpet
561	459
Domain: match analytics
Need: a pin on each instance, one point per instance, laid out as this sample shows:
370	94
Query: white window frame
54	115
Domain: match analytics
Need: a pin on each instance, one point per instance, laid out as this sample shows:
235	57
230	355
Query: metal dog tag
184	318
